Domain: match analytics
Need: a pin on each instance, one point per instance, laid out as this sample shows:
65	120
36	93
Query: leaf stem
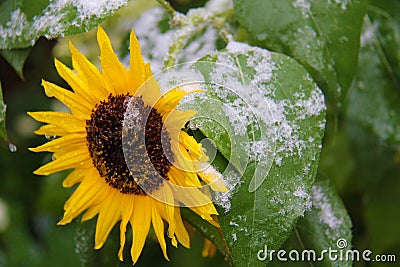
167	6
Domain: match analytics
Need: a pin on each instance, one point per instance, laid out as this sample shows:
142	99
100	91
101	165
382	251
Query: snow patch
304	6
322	203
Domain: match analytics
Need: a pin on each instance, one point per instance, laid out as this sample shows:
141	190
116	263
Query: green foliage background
354	57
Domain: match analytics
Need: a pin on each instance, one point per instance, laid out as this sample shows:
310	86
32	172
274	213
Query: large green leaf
322	35
266	116
3	107
326	226
374	100
23	22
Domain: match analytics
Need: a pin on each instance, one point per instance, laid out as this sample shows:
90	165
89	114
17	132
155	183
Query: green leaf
322	35
381	214
266	116
22	22
16	58
374	100
156	36
3	108
326	226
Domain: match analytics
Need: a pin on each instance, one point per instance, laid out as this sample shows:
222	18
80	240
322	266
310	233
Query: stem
174	51
171	11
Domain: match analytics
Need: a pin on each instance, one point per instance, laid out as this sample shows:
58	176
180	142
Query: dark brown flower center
131	156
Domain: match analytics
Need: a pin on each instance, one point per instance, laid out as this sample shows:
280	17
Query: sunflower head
127	149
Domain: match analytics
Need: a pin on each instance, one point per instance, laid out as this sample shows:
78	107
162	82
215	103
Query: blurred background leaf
323	36
374	101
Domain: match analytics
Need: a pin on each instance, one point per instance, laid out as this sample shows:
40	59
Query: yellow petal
191	144
183	178
91	212
213	178
165	201
170	100
177	119
196	200
60	122
89	72
149	91
79	86
62	142
78	106
158	226
52	131
136	64
209	249
88	194
181	232
126	213
74	177
67	161
140	222
179	229
109	215
114	73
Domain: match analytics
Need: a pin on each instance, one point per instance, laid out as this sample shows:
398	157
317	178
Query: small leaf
3	108
322	35
16	58
326	226
22	23
266	116
374	100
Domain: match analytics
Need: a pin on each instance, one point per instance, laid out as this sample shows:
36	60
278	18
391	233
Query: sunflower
127	147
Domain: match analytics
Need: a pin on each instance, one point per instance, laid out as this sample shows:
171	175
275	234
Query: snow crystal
187	78
307	197
234	237
304	6
233	224
89	8
321	202
312	106
232	181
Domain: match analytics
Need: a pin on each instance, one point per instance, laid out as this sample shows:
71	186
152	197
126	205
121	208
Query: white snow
304	6
306	197
321	202
232	181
